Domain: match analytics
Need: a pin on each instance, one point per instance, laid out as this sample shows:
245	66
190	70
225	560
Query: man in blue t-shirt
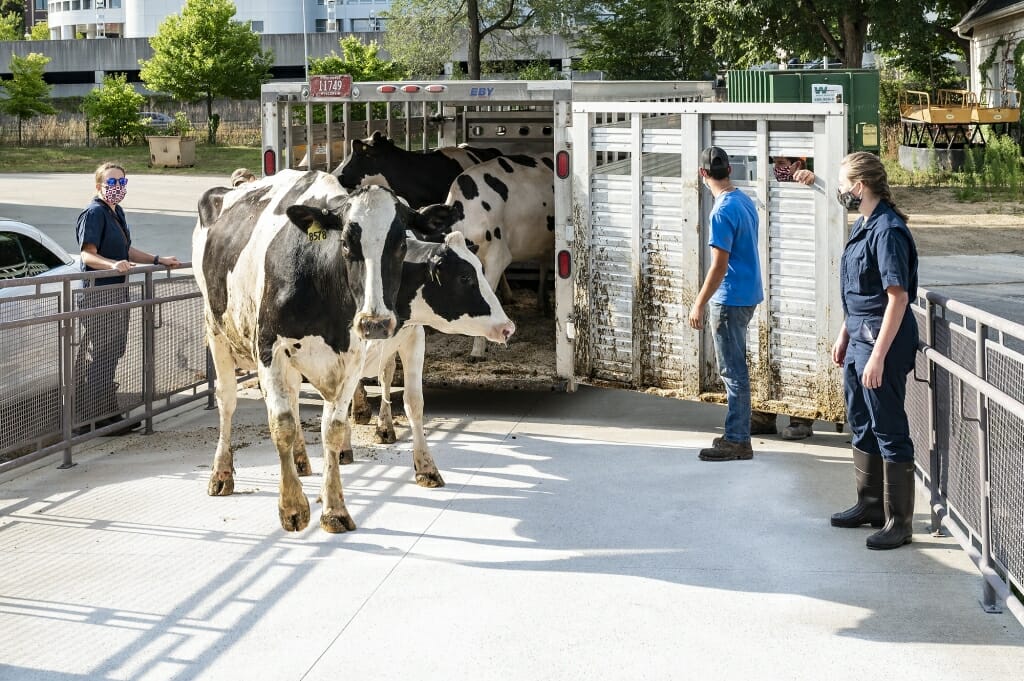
732	289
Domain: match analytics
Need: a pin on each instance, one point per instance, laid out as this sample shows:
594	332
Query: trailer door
639	243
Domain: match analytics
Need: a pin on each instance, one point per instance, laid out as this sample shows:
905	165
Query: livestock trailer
630	224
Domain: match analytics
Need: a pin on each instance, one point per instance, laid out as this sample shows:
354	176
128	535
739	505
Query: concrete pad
578	537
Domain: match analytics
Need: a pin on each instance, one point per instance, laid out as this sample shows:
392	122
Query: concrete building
35	11
141	18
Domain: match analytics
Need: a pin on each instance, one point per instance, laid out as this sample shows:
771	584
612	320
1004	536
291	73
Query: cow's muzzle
500	333
375	328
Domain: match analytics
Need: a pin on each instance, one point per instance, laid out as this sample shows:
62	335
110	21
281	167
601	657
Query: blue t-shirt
734	230
108	231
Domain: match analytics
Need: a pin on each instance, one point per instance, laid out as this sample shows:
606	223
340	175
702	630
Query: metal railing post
989	599
67	389
149	349
933	447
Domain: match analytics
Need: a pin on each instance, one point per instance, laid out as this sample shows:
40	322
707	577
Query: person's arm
143	258
93	260
895	308
807	177
712	280
839	347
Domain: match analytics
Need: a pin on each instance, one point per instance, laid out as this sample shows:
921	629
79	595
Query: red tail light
562	164
410	88
269	162
564	264
386	89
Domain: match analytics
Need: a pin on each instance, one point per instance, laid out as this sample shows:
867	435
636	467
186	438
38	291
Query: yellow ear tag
316	232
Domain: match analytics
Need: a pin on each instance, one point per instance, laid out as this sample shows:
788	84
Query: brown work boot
798	429
762	423
727	450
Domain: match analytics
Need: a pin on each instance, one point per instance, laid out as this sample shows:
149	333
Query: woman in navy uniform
876	349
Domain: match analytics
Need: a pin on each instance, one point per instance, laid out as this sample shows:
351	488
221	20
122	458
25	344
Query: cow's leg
292	505
411	352
301	458
385	434
494	262
335	433
505	291
222	477
361	411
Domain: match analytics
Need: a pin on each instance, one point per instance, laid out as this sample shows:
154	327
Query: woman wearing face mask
876	349
105	242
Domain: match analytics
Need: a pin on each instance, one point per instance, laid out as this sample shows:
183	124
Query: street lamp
305	42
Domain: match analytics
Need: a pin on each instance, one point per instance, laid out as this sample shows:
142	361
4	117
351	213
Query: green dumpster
857	88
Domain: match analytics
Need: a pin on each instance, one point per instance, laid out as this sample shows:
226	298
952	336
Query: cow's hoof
345	457
362	416
302	466
337	522
295	519
429	479
221	484
476	358
385	436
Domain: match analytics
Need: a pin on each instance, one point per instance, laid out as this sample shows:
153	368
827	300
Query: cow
507	207
298	278
419	178
286	306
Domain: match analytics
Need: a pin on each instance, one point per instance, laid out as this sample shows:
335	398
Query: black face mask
847	200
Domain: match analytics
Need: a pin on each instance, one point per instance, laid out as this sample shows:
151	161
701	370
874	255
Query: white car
30	363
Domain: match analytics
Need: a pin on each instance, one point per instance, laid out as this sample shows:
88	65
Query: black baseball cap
714	158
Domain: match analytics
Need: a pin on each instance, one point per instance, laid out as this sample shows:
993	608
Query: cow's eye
467	280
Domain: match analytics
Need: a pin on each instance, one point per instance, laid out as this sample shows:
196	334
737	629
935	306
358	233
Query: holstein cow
297	279
440	284
419	178
507	207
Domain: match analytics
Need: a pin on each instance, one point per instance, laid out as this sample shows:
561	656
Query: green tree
41	31
359	60
203	54
12	26
424	34
113	110
647	40
27	92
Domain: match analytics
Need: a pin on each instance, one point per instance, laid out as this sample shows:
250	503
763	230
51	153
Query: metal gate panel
641	226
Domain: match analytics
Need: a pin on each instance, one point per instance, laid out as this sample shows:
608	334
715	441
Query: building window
76	4
40	4
66	6
321	25
86	4
256	26
370	25
114	4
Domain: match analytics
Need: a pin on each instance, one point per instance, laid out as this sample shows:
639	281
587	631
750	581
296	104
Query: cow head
435	222
456	298
366	162
372	248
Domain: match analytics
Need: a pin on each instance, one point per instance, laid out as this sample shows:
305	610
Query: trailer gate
639	244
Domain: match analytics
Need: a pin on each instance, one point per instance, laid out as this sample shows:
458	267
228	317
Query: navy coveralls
880	253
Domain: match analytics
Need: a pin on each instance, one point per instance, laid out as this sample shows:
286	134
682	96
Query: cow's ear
358	147
455	239
313	220
434	221
378	137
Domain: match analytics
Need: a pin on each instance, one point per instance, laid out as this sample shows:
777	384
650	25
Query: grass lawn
210	160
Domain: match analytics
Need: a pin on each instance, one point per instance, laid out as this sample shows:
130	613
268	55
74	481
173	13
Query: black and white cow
283	284
297	279
507	207
419	178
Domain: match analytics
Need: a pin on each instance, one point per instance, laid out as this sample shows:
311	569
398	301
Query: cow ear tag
316	232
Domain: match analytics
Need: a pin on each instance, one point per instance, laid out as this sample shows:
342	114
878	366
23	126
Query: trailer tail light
410	88
269	162
562	164
386	89
564	264
436	88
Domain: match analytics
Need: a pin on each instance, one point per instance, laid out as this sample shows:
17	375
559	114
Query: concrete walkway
578	537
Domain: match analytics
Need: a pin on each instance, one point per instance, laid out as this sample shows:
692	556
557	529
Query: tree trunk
19	131
473	48
211	129
855	33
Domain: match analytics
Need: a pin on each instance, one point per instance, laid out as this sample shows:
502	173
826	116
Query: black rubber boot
868	509
899	508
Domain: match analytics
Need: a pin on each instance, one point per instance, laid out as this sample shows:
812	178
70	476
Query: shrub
113	111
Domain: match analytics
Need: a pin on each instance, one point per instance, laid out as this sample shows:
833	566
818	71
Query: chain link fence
965	403
89	354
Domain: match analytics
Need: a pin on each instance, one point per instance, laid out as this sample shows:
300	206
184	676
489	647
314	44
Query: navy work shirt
880	253
98	225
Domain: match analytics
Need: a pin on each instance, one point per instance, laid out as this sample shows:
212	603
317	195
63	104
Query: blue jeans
729	331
